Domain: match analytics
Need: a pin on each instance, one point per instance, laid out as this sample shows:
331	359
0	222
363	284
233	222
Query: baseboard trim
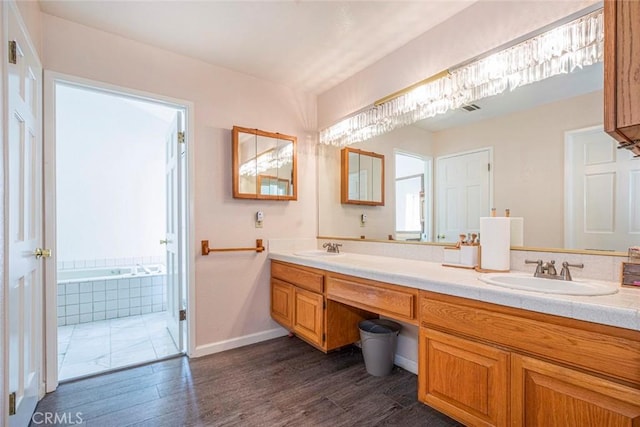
217	347
406	364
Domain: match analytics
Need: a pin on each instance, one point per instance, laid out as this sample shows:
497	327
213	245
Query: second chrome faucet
547	270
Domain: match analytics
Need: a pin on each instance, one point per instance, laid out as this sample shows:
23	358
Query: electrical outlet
259	219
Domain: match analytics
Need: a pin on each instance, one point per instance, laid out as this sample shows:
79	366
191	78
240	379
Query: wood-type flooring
281	382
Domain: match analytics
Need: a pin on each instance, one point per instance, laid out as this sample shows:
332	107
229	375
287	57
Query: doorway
118	166
602	192
464	192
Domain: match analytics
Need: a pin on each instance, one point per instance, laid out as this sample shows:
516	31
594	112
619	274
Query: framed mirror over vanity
539	149
264	165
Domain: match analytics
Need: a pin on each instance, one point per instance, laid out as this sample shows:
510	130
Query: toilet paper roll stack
495	243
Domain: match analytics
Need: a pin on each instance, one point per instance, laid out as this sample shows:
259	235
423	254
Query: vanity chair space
324	308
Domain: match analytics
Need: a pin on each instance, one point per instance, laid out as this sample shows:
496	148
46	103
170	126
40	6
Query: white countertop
621	309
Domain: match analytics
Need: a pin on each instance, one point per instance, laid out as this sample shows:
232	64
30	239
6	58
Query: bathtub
107	273
101	293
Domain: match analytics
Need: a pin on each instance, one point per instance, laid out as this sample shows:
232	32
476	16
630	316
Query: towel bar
206	249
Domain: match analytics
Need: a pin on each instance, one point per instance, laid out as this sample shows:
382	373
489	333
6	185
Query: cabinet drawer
611	351
307	279
382	299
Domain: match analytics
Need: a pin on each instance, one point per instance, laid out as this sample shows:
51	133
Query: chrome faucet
332	247
547	270
565	274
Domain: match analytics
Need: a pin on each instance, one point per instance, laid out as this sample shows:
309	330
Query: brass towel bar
205	248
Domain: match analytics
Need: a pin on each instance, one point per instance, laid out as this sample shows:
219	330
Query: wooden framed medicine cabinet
264	165
362	177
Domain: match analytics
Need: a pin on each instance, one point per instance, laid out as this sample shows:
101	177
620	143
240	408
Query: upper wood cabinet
264	165
362	177
622	72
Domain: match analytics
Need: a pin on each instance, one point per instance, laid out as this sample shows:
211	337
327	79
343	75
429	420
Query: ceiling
306	45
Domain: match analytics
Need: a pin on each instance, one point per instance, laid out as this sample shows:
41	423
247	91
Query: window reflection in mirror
413	197
264	165
362	177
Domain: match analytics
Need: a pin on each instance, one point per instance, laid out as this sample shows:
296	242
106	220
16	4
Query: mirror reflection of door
602	192
413	195
463	191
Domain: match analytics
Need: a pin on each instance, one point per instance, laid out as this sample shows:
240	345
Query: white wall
232	289
337	219
110	185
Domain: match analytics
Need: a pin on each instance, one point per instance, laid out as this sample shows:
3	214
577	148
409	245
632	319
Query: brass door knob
42	253
164	242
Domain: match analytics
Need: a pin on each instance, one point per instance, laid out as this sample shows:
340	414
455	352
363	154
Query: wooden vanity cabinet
299	304
622	71
308	317
490	365
465	379
547	394
282	302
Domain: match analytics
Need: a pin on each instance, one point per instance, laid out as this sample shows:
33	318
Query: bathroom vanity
487	356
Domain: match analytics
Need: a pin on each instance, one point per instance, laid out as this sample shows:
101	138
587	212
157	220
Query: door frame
51	322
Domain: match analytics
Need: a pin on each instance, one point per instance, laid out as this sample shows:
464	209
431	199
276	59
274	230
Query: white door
602	193
463	193
175	152
25	271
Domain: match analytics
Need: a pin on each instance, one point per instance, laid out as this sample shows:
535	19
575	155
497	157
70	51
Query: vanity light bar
561	50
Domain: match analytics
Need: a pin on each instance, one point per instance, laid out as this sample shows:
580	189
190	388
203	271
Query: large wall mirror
362	177
264	165
538	150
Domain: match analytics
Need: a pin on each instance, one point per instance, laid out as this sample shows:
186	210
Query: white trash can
379	338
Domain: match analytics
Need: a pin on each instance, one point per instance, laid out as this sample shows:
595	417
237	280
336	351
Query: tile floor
89	348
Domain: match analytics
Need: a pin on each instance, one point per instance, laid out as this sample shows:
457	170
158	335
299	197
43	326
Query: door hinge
488	167
13	52
183	315
12	403
324	305
181	138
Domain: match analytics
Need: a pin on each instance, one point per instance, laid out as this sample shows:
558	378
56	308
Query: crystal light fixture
563	49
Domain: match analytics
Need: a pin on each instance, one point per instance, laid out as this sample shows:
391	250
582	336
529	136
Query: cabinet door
282	303
621	68
464	379
308	315
544	394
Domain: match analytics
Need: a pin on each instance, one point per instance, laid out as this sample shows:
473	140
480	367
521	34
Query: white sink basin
317	253
547	286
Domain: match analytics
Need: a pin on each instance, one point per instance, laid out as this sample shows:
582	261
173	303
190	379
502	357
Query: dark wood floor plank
281	382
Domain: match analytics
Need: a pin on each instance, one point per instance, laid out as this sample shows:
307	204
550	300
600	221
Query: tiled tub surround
82	298
621	309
